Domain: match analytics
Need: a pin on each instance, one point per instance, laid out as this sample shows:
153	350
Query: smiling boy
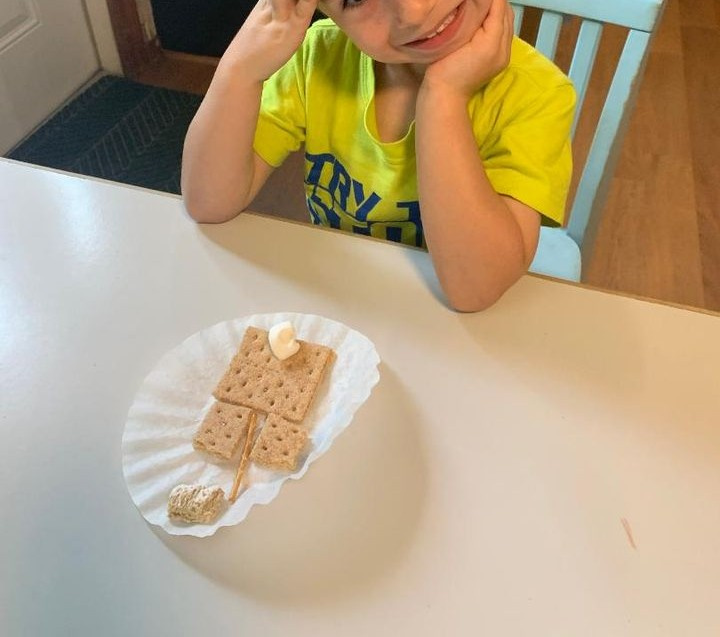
423	121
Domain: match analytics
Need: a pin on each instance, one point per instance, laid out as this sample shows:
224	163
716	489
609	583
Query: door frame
136	46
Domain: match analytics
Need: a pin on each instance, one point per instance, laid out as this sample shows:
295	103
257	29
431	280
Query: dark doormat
118	130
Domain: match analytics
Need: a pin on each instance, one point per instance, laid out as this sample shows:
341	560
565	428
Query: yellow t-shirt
324	97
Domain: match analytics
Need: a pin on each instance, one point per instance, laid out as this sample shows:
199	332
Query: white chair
560	251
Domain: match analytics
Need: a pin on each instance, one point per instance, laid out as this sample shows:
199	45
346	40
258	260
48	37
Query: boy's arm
480	242
221	173
220	170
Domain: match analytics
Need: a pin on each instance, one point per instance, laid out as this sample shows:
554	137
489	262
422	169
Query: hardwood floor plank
648	242
698	13
639	250
180	72
668	38
702	63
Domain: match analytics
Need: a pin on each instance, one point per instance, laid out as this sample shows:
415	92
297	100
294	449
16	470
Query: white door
46	54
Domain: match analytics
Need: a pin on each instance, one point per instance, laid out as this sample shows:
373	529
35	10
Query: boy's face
407	31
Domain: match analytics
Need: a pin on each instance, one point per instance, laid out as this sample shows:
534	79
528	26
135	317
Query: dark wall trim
135	53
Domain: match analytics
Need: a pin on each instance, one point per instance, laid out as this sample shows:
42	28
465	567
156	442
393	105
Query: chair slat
548	33
601	160
583	61
519	10
638	14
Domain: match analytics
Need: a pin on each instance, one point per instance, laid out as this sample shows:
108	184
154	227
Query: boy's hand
270	35
464	71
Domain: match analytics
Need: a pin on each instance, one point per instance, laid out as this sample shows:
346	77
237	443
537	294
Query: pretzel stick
243	462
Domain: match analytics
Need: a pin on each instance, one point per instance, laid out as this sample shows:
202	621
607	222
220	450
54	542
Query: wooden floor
660	231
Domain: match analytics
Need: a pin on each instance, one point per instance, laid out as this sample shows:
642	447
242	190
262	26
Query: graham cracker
279	444
259	380
223	429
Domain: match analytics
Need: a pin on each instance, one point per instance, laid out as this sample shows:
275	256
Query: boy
424	121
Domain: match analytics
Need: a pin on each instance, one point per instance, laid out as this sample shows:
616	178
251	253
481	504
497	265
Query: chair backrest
640	19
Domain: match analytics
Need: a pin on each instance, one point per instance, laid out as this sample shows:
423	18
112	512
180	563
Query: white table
494	483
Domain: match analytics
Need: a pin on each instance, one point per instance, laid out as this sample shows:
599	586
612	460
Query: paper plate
157	451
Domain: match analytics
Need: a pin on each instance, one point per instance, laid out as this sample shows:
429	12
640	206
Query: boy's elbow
476	297
469	303
203	215
204	210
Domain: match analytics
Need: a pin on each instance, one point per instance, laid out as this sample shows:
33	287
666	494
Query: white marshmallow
282	340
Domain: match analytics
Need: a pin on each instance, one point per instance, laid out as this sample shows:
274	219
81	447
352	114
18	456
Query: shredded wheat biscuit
195	503
259	380
279	444
223	429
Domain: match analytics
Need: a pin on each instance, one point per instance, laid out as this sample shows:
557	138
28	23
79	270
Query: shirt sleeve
529	156
281	121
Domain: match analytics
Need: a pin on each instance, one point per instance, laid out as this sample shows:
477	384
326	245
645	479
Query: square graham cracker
223	429
259	380
279	444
